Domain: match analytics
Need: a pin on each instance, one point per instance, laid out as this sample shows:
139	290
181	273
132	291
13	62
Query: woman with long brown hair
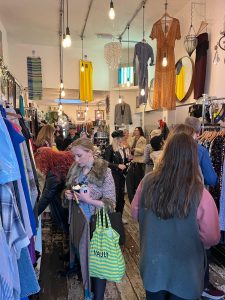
178	219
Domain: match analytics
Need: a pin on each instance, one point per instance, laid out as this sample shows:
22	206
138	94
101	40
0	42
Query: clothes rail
205	101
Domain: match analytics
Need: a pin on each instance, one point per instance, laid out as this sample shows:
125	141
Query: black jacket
69	141
114	159
51	195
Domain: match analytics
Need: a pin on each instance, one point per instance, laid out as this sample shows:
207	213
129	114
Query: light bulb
63	94
61	85
164	61
82	68
68	37
64	41
111	11
142	92
120	99
128	82
60	113
85	113
87	108
60	106
78	115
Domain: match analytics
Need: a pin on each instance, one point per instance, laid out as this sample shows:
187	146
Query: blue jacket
208	172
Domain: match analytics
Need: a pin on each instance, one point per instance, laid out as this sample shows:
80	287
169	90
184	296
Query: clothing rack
207	100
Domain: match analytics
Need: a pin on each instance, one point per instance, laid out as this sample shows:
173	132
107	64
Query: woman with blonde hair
97	190
45	137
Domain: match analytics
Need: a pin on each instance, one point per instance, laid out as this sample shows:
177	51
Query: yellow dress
86	82
180	81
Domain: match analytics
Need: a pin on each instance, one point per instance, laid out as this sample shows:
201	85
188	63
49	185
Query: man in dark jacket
72	136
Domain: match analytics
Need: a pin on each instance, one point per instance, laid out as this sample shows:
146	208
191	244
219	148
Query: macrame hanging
112	53
190	40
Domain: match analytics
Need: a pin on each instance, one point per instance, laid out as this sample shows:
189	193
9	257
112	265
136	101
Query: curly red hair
56	162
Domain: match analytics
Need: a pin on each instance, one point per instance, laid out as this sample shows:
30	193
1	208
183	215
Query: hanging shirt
9	168
86	81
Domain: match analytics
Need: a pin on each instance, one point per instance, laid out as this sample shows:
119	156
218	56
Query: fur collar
95	176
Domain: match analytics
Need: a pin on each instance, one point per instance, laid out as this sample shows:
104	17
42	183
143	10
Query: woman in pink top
178	219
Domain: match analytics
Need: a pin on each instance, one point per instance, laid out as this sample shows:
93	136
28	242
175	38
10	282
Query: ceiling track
86	19
143	3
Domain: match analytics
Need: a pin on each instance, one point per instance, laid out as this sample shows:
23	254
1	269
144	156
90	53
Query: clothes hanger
202	26
165	15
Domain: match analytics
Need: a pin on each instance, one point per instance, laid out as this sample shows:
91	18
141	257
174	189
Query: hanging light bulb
68	37
128	82
60	106
120	99
82	68
63	94
111	11
142	92
164	61
61	85
87	108
64	41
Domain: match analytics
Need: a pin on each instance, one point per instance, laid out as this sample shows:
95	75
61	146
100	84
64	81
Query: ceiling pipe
133	17
86	19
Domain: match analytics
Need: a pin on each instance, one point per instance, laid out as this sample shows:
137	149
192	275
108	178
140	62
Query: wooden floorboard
130	288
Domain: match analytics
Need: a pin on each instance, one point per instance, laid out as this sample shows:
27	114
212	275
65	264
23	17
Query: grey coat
172	255
122	114
101	185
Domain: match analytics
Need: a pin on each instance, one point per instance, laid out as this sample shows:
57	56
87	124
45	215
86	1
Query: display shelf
125	88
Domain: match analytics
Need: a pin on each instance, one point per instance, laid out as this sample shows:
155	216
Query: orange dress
165	77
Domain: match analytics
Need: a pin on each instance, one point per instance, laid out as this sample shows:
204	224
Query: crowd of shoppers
177	216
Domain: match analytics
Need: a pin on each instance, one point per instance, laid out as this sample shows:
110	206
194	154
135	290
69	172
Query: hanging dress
200	65
86	82
165	77
144	52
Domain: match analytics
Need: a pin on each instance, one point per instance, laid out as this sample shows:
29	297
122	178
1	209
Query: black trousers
119	181
98	288
135	174
162	295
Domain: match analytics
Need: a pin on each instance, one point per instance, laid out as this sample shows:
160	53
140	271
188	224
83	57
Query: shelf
125	88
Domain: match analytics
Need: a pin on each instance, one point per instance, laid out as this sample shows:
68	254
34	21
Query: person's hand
69	195
84	196
121	167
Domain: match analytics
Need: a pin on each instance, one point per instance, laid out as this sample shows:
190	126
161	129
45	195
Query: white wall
50	65
214	85
71	110
4	43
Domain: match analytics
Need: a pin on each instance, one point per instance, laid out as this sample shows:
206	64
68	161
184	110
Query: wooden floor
55	287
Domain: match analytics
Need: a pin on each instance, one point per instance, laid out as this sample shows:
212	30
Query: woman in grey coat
99	192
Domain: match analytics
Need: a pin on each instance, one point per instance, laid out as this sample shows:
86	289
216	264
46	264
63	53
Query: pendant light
82	45
66	37
142	92
128	56
87	108
111	11
165	61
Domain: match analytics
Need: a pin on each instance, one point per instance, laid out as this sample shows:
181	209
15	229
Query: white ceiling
37	21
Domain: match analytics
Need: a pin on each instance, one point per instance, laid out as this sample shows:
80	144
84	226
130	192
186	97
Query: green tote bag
106	258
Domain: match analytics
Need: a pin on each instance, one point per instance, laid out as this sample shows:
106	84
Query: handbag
106	258
116	223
